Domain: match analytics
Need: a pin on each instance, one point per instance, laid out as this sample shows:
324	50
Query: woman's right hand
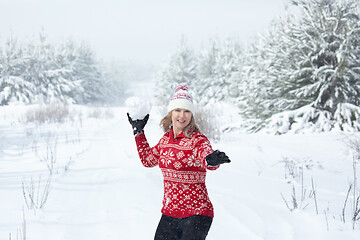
139	124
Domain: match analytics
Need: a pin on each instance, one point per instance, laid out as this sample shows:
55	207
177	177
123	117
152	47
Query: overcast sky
143	31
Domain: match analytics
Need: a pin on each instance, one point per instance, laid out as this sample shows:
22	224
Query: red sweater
183	165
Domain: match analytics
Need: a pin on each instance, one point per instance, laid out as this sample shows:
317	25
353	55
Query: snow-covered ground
88	177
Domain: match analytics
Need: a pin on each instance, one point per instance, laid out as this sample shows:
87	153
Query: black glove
217	158
138	125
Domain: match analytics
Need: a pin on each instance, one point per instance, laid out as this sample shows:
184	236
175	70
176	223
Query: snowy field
82	179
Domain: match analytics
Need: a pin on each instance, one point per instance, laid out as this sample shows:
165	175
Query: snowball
138	108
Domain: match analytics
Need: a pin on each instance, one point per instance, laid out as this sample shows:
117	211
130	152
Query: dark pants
190	228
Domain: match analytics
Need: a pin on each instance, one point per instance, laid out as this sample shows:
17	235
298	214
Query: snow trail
105	192
97	198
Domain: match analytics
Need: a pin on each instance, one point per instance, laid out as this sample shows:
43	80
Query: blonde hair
166	124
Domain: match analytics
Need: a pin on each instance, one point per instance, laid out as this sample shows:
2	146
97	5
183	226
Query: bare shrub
346	199
353	143
36	192
108	113
293	203
294	170
95	113
356	215
21	232
101	113
208	123
52	113
51	152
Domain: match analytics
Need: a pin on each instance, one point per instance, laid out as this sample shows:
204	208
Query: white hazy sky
142	31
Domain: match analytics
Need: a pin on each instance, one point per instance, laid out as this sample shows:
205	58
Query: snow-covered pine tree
206	70
49	72
40	54
13	86
181	68
89	80
310	69
253	83
41	72
69	85
264	73
216	67
86	70
227	67
116	77
207	75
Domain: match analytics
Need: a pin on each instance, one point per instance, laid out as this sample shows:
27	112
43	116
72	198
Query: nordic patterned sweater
183	165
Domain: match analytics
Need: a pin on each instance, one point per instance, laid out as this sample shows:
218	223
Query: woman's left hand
216	158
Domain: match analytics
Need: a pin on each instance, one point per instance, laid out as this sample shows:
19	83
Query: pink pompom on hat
181	99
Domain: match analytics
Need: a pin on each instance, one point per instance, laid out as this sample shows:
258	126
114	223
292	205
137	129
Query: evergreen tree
64	60
217	66
181	68
206	71
227	66
40	62
250	82
49	72
265	65
40	72
86	71
309	74
13	86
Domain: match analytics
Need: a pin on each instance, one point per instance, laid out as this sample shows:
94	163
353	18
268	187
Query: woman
183	155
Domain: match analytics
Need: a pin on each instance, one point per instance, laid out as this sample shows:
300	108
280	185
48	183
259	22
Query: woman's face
180	119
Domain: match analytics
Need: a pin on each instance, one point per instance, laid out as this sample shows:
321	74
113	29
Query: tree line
37	71
302	74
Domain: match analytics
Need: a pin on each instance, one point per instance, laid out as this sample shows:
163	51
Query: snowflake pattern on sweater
183	165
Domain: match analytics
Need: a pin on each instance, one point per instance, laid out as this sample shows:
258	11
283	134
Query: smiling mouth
181	121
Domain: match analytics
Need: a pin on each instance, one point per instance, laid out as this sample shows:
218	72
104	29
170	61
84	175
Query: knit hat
181	99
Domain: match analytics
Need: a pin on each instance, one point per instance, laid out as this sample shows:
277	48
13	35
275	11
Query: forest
302	74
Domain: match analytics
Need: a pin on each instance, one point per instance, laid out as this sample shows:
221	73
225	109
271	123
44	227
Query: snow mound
138	108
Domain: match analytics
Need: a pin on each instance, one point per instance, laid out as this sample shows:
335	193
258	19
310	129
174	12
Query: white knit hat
181	99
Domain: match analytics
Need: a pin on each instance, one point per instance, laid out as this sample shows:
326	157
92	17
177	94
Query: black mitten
139	124
217	158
